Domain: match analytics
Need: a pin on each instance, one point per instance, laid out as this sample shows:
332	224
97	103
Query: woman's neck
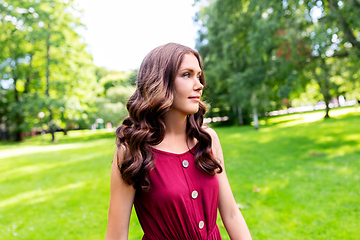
175	124
175	139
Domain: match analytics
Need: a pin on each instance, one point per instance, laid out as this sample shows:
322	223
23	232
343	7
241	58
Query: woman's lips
195	98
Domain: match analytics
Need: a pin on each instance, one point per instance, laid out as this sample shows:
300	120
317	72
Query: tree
15	65
258	53
45	58
334	41
112	107
242	39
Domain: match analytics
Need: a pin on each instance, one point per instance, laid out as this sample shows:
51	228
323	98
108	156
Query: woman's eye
199	77
186	75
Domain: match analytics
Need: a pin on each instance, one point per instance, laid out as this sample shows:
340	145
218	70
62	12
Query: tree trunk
255	118
327	102
28	76
325	89
52	126
18	132
16	92
53	136
51	123
323	80
48	62
18	118
254	103
240	116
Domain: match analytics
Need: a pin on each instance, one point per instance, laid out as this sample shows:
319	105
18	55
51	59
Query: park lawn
57	191
297	177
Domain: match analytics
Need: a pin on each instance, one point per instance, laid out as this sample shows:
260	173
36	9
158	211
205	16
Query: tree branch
341	54
356	3
28	77
344	25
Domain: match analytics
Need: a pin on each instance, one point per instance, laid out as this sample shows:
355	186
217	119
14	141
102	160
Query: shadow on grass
318	115
319	135
38	195
87	137
72	137
45	164
291	177
297	182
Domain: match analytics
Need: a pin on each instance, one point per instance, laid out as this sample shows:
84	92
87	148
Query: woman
168	164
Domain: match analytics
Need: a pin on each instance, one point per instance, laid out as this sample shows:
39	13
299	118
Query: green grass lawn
297	177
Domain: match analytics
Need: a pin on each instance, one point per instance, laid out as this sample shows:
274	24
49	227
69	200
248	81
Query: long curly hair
145	125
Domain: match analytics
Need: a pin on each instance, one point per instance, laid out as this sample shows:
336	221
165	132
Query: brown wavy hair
145	125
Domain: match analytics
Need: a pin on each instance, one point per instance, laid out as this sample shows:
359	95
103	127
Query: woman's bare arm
230	214
121	201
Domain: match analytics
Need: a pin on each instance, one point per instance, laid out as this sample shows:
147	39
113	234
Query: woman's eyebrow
190	70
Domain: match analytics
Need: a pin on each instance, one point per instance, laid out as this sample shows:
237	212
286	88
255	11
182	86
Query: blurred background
72	64
288	69
259	57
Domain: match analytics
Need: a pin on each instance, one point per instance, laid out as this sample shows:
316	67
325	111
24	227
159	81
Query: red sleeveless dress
182	202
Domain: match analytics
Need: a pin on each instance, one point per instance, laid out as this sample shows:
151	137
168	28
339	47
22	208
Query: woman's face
188	88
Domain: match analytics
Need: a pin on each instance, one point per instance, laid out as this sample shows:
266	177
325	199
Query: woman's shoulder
215	143
211	132
121	153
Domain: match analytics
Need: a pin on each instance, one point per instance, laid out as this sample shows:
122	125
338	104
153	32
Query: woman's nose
199	86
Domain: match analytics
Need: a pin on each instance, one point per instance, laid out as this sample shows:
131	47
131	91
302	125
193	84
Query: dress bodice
182	201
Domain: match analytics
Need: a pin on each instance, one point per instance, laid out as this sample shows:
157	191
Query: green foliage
120	93
45	67
287	178
133	77
100	72
113	79
240	42
111	107
257	53
109	111
310	96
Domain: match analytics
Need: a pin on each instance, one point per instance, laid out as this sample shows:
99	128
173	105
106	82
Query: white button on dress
185	163
194	194
201	224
